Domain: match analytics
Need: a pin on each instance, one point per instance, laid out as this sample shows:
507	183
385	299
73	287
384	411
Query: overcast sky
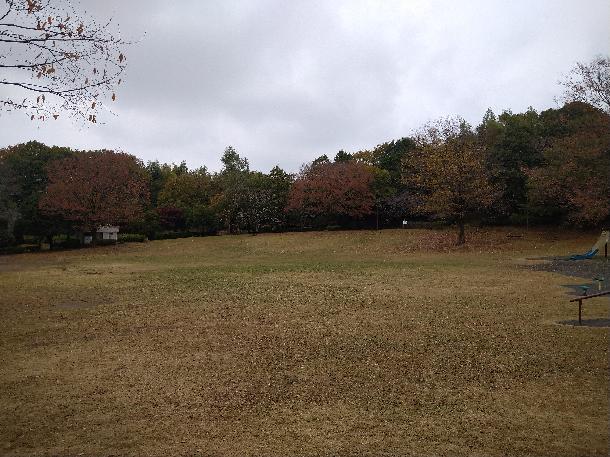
286	81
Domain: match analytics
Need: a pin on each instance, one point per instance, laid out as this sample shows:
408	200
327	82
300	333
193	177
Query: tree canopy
549	167
448	171
95	188
573	185
333	189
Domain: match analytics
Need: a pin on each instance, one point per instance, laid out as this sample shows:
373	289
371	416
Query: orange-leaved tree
448	173
96	188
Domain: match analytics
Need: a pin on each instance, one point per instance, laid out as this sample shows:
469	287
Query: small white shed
108	232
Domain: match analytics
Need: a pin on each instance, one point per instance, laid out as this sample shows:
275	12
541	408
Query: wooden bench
586	297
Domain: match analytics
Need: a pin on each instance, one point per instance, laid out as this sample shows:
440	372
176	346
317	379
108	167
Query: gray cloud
285	82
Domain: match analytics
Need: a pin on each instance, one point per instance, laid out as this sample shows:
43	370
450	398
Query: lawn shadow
599	322
577	289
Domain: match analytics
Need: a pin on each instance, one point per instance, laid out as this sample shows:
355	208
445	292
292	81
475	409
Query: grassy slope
300	344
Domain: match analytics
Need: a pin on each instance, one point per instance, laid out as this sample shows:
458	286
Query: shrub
69	243
175	235
132	238
72	243
105	242
6	239
8	250
20	249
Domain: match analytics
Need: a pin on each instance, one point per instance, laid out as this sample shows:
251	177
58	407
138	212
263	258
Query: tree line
551	167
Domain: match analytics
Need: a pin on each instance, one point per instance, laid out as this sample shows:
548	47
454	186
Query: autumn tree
590	83
191	192
91	189
53	59
448	172
342	189
573	183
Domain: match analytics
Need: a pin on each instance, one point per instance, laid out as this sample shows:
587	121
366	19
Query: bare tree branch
70	63
589	83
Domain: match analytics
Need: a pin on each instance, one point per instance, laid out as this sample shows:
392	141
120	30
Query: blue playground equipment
602	242
587	255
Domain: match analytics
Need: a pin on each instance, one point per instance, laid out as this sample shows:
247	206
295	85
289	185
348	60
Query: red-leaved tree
573	182
333	189
95	188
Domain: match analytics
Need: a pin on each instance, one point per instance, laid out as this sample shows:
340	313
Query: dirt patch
586	269
595	272
589	270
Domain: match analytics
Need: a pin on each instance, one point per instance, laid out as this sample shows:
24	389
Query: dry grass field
336	343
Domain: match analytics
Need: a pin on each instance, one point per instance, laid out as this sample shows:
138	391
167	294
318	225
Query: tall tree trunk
461	236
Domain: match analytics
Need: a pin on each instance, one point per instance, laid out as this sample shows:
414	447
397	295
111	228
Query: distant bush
131	238
6	238
68	243
426	225
171	235
105	242
72	243
8	250
175	235
20	249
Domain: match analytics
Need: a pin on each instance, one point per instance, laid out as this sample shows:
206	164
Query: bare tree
53	60
590	83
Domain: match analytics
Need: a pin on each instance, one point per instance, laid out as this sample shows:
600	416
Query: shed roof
108	229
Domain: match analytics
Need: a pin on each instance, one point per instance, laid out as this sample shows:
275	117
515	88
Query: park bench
586	297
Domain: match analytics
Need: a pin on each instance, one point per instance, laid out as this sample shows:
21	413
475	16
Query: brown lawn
338	343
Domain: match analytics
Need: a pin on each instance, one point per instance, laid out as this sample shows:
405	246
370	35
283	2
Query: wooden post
579	312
